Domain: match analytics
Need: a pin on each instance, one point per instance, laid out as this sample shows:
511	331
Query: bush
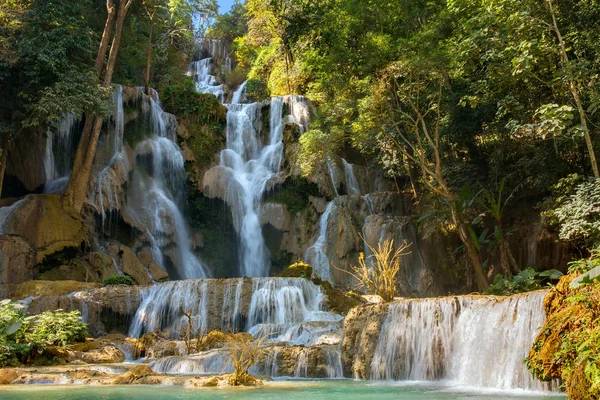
119	280
575	209
527	280
54	328
256	90
24	339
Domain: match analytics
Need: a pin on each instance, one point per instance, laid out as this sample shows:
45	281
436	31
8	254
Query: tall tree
76	191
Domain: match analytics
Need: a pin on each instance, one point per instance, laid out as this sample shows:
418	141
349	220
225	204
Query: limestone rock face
215	182
147	259
16	260
276	215
45	224
361	334
133	267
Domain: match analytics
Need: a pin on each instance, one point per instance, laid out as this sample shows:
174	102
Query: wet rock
136	375
37	288
133	267
147	259
361	334
275	214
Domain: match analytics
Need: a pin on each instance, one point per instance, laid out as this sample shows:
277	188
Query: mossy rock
573	318
49	288
339	301
297	270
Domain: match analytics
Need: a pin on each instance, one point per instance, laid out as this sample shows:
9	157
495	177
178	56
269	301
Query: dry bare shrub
244	350
380	277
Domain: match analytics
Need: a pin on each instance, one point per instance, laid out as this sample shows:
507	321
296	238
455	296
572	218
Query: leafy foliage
576	209
24	339
525	281
118	280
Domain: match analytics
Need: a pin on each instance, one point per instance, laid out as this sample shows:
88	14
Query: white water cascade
289	310
58	156
289	306
352	186
468	341
251	161
156	191
316	255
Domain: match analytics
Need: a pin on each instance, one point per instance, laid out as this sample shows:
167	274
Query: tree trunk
3	160
110	19
148	59
575	93
463	233
77	188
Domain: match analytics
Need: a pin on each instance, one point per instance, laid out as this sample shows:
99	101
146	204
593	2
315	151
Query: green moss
297	270
118	280
294	193
256	90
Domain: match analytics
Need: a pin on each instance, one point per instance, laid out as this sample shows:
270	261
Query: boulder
17	260
147	259
134	376
45	224
7	375
362	327
277	215
132	266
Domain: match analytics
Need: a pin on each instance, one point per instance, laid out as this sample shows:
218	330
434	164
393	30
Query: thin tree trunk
148	59
463	233
110	20
77	189
575	93
3	160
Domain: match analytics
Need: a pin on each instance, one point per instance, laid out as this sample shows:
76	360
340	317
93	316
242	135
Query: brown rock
17	260
45	224
133	267
7	376
134	376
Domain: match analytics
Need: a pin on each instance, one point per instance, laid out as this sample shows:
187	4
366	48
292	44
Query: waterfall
205	82
156	192
352	186
59	152
268	305
469	341
240	94
316	255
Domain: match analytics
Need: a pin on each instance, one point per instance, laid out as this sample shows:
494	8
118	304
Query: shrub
119	280
525	281
24	339
256	90
380	277
54	328
575	209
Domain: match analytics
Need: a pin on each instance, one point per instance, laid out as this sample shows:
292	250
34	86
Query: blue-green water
288	390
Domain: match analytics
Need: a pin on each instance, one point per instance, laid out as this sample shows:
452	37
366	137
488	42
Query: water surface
288	390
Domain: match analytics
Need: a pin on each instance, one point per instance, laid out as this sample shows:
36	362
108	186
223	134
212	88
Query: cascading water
469	341
352	186
58	157
249	163
205	82
316	255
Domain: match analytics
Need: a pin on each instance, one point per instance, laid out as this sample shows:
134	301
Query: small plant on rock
119	280
379	276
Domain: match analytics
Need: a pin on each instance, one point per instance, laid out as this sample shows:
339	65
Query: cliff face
161	204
